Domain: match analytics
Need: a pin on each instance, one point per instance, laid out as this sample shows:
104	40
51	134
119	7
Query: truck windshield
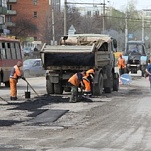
135	48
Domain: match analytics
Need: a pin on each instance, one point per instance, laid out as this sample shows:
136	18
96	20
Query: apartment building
36	11
3	12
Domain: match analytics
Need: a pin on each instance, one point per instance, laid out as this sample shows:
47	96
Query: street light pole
126	31
143	24
53	26
103	23
65	17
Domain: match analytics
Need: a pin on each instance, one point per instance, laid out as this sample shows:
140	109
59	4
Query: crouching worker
14	76
88	82
75	82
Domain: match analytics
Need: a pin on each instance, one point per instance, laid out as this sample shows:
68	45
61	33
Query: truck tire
67	89
58	88
98	88
115	84
108	90
109	82
49	87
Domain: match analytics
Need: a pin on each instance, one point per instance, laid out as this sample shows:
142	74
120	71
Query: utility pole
53	26
103	23
143	24
126	31
65	17
53	22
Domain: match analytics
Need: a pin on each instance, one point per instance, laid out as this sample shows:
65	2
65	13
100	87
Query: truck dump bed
86	52
68	56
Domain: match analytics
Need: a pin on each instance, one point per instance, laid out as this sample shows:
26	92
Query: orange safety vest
74	80
15	72
90	71
87	84
121	63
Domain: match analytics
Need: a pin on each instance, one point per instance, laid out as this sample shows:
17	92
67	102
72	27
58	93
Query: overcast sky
118	4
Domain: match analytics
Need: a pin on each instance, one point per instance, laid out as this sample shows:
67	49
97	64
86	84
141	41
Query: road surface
112	122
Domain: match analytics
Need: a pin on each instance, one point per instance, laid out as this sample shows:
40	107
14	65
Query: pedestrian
75	82
148	71
14	76
35	49
121	64
88	82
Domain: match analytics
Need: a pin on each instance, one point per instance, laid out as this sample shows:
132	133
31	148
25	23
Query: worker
88	82
121	64
75	82
14	76
148	71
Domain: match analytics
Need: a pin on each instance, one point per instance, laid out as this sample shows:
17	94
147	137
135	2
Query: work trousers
88	85
150	82
121	71
13	87
74	94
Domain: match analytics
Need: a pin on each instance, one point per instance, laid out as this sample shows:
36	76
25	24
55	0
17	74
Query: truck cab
136	57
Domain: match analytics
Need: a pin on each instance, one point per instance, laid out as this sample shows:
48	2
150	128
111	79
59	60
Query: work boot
72	101
13	98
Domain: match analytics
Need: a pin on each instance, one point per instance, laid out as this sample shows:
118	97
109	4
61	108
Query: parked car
33	67
27	51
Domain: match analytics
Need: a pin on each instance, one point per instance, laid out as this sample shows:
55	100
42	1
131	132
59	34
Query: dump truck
136	57
77	53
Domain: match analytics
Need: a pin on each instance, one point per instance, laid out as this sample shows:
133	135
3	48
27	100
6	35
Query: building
3	12
35	11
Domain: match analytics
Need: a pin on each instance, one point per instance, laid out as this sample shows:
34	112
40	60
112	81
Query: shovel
31	87
3	99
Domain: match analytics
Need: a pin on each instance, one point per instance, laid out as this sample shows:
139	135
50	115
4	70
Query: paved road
38	83
112	122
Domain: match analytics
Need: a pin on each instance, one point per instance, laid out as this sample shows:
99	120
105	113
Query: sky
118	4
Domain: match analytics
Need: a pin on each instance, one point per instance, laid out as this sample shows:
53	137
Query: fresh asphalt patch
8	123
48	116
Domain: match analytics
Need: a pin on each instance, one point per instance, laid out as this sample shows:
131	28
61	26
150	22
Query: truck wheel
58	88
107	90
49	87
115	84
67	89
98	89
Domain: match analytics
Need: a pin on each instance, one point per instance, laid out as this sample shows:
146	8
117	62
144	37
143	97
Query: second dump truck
77	53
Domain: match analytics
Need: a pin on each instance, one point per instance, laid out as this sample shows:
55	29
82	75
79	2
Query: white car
33	67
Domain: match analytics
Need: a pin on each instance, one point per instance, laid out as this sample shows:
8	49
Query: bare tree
23	27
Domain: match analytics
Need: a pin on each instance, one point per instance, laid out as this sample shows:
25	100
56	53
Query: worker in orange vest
88	82
75	81
121	64
14	76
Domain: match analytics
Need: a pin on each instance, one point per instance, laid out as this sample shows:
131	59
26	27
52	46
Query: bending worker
75	81
14	76
121	64
88	82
